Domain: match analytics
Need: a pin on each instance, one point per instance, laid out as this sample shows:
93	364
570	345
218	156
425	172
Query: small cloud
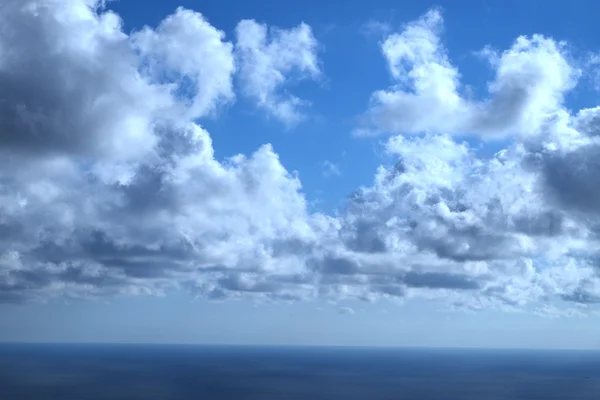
267	58
346	311
330	169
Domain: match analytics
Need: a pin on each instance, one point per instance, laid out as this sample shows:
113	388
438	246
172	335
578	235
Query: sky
305	173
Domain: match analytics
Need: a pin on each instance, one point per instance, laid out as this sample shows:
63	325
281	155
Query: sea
161	372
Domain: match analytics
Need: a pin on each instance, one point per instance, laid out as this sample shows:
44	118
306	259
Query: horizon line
308	346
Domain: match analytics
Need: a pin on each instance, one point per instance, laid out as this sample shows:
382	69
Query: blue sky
430	179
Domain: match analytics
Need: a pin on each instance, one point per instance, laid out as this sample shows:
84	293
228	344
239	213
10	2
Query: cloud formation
530	81
267	57
121	193
109	185
190	56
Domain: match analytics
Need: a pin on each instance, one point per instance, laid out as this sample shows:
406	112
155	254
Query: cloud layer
108	184
530	80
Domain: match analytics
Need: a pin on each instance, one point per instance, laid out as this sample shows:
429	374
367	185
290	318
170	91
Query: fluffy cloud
65	71
109	186
530	81
267	57
190	54
444	224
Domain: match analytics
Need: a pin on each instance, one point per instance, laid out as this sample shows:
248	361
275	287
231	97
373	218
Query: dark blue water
82	372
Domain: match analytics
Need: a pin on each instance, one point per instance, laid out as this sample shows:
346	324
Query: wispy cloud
330	169
347	311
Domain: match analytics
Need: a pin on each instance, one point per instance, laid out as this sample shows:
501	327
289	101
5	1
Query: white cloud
45	108
530	80
121	192
267	57
191	54
108	185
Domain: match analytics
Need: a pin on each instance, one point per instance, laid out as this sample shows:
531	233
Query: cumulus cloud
530	81
77	75
109	184
267	57
121	193
192	57
442	223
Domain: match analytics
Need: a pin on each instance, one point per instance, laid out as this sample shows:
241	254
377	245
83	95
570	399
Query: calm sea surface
82	372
